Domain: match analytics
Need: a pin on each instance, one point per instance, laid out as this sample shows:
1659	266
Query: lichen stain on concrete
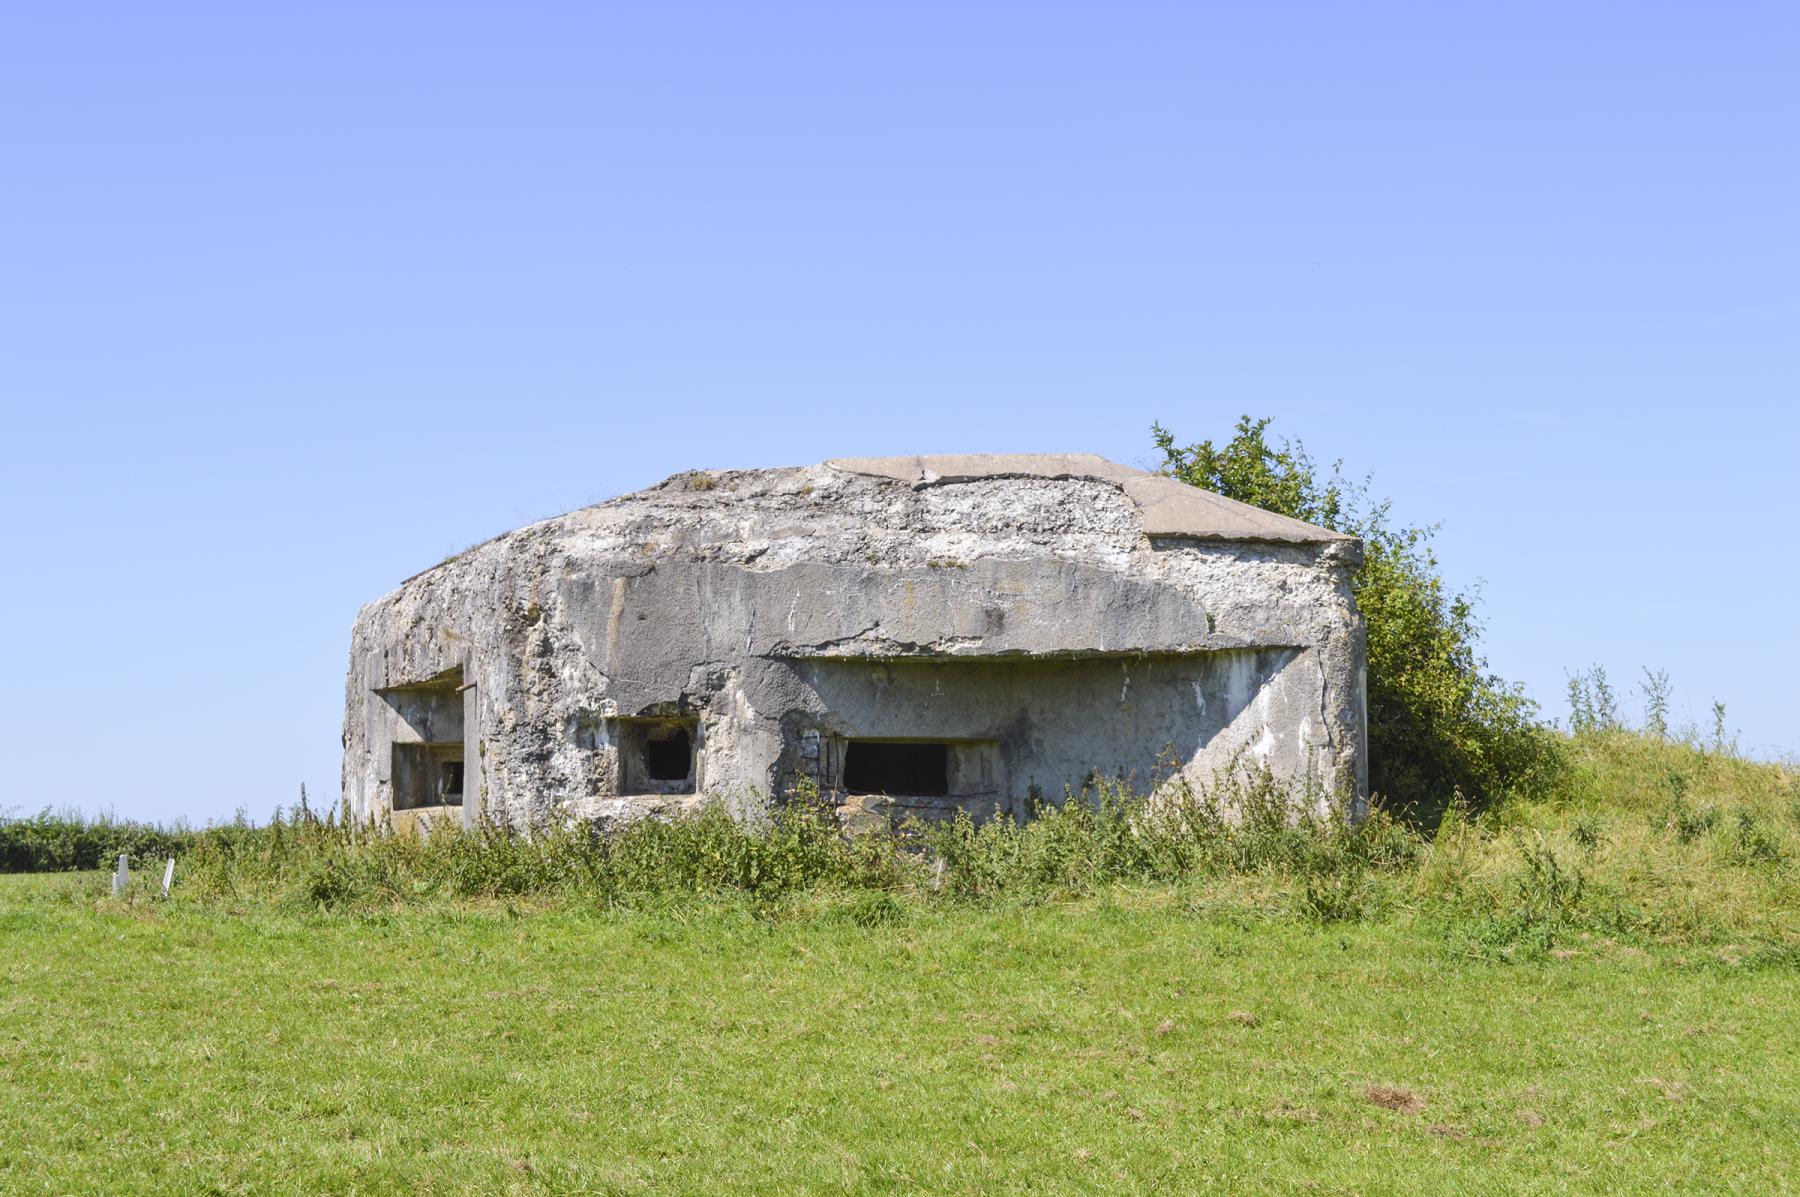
1007	621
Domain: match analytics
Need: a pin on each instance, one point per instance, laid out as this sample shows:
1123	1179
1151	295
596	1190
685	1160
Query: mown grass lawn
1141	1041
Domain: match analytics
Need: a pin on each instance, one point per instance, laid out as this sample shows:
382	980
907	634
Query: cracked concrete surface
1044	617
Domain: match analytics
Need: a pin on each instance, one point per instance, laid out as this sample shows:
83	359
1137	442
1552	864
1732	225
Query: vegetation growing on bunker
1440	723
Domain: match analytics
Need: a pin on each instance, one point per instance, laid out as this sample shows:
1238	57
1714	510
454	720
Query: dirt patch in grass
1394	1097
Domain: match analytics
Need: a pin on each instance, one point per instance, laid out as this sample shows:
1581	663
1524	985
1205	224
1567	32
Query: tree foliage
1439	723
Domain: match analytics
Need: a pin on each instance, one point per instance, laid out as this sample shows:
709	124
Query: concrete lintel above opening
448	681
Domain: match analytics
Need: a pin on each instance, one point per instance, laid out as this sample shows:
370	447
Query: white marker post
121	875
168	876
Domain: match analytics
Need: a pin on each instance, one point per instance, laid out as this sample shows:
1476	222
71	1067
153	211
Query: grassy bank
1593	993
1147	1039
1643	840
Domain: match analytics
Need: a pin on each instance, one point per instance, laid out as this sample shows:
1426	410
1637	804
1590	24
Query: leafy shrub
1439	722
323	863
1505	884
1245	821
50	843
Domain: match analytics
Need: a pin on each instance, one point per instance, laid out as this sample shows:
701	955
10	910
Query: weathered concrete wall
1054	723
1055	615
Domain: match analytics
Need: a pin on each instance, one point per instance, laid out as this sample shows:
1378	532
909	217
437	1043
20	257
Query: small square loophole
657	756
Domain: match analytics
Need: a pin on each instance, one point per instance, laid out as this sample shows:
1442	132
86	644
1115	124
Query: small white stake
121	875
168	876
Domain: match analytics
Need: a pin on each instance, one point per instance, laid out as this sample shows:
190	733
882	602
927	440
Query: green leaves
1438	720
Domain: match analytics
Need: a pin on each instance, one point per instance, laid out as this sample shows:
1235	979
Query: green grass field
1168	1037
1137	1042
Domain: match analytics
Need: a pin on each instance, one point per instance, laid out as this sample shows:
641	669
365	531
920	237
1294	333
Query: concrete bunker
911	635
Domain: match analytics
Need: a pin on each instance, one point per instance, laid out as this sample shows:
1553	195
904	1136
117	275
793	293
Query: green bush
1246	822
1647	841
321	863
1439	722
52	843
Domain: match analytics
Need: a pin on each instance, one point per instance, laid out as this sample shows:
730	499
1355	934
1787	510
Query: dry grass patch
1394	1097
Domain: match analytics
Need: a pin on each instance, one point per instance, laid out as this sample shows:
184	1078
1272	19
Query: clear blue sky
295	300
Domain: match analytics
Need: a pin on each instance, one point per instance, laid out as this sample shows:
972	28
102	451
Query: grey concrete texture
1047	617
1166	507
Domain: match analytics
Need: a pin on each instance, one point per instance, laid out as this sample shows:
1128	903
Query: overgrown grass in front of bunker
1646	842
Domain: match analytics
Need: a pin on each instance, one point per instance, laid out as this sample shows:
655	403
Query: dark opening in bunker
670	756
427	775
896	767
658	754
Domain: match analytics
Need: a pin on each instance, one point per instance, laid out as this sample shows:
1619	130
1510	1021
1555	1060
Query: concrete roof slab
1169	507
